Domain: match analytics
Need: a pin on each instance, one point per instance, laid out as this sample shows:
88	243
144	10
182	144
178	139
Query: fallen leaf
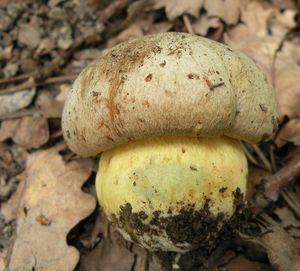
29	33
63	92
10	69
283	251
12	162
204	23
50	107
133	31
45	47
227	10
114	256
28	132
286	81
33	132
287	217
2	260
242	263
4	3
52	190
9	208
11	103
8	128
290	132
176	8
262	37
160	27
285	4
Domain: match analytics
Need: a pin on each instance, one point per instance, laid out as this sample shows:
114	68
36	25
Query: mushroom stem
161	190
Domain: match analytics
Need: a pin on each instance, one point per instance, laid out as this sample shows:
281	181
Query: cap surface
170	84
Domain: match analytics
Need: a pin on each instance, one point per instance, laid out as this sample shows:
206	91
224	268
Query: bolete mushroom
167	113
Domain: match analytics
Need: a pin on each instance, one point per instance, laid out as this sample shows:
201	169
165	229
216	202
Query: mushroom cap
169	84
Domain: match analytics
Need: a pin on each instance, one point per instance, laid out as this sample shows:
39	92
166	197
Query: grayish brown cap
168	84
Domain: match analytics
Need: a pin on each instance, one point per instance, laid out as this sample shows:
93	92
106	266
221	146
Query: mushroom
167	113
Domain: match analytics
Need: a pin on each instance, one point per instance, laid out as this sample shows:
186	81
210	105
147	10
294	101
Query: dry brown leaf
286	81
287	217
114	256
8	128
28	132
4	3
11	103
283	251
204	23
176	8
50	107
29	33
241	263
51	204
2	260
262	37
227	10
9	208
133	31
285	4
160	27
289	133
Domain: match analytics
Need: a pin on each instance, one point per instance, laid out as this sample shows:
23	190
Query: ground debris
44	45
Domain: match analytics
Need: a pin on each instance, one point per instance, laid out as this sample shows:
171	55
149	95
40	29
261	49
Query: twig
16	78
281	178
292	200
263	158
188	24
249	155
59	79
20	114
26	85
39	76
56	134
272	158
31	83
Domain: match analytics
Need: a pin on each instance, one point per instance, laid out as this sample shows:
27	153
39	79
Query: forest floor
49	218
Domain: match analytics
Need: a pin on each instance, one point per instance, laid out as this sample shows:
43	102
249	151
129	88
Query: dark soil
200	228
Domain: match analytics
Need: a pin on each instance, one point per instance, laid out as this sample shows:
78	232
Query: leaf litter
44	45
50	204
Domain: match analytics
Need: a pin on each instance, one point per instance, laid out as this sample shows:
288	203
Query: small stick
16	78
249	155
292	200
272	158
281	178
19	114
262	158
31	83
56	134
188	24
